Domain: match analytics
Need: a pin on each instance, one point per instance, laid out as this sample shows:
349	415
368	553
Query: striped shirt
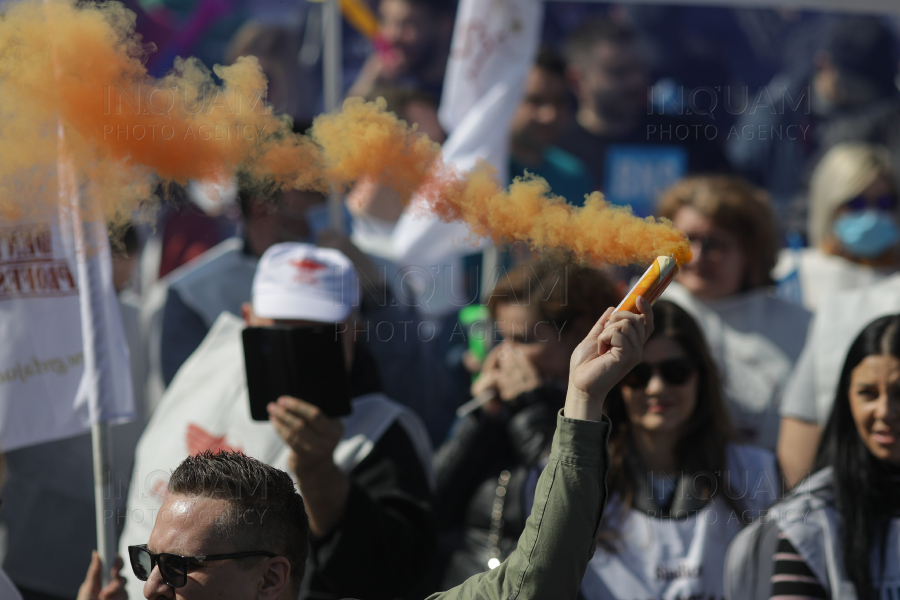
791	577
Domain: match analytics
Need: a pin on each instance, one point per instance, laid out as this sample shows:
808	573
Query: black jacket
383	546
468	469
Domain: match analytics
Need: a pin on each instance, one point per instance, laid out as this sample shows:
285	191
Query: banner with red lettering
44	393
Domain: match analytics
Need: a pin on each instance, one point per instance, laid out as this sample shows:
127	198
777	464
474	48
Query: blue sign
635	175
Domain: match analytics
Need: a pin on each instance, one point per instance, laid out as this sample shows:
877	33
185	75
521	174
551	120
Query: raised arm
560	534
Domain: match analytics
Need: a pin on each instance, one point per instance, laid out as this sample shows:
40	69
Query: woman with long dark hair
838	534
680	488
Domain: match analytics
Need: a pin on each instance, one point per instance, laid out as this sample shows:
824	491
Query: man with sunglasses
233	527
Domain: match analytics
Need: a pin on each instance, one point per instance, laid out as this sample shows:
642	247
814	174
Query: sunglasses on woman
675	371
885	202
172	567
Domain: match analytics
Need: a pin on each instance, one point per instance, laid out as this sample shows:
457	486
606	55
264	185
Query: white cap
304	282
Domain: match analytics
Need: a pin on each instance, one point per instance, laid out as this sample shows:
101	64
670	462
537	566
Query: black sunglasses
675	371
885	202
173	567
713	244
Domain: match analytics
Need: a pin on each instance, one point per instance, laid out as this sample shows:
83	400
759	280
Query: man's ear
276	579
247	313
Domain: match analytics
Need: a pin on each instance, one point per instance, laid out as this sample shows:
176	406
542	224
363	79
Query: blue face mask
867	234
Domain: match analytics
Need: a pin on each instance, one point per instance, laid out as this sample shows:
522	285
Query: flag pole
99	322
333	88
104	509
91	250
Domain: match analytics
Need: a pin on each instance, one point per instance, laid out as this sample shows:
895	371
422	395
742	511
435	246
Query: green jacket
561	533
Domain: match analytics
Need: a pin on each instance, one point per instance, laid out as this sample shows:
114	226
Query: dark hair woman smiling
847	543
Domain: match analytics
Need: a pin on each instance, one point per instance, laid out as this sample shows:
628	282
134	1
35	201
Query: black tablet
303	362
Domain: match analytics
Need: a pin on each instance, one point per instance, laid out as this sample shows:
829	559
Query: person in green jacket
233	527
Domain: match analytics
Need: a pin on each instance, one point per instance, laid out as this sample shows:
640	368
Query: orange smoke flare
651	285
126	131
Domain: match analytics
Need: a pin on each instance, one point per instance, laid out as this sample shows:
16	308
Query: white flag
41	358
494	45
64	360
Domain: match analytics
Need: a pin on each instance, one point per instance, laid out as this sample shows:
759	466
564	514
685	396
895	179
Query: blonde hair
734	205
842	174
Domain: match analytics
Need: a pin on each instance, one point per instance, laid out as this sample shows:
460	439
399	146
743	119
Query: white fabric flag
64	361
494	45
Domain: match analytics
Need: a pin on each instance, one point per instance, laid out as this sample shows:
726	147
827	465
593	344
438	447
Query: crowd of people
738	439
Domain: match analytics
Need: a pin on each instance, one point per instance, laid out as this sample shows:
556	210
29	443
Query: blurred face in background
545	347
295	215
542	113
613	80
865	227
878	195
719	266
413	33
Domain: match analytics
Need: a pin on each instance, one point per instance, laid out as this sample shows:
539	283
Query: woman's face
719	266
875	404
665	402
547	348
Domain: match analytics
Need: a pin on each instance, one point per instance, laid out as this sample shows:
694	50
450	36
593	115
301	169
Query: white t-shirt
821	274
840	318
682	556
755	340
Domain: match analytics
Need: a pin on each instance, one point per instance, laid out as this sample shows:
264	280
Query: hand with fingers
515	372
312	437
310	433
613	347
507	373
93	589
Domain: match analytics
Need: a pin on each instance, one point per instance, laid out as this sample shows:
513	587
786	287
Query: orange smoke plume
79	68
364	141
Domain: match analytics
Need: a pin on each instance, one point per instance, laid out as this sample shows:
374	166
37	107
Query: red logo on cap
198	440
306	269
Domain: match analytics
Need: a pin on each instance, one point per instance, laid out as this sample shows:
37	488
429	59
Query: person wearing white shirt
754	337
852	227
680	486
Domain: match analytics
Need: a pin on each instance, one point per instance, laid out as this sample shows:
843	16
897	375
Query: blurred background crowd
770	137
